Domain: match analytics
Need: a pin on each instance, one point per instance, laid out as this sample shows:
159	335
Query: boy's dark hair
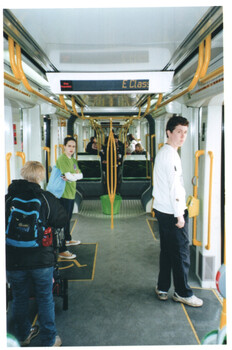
67	139
174	121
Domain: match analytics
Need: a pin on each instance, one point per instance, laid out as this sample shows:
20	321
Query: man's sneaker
72	242
191	301
67	255
58	341
161	295
34	331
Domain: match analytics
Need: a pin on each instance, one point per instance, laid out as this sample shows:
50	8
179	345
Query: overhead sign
122	82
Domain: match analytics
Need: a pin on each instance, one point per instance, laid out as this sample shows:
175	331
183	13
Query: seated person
92	146
128	150
132	143
139	149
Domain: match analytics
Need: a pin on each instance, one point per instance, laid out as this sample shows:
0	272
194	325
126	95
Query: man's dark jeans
174	254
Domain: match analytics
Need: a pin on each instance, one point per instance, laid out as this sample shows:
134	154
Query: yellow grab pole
159	101
212	75
112	182
12	58
55	153
197	155
210	199
21	155
62	147
207	56
193	82
8	156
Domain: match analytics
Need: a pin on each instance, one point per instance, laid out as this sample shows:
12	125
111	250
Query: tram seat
92	183
136	176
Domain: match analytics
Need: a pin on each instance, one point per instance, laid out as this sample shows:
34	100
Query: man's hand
180	221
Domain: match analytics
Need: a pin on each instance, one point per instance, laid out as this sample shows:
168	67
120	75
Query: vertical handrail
47	150
210	199
55	153
8	156
152	155
85	141
197	155
76	138
58	146
152	145
21	155
111	184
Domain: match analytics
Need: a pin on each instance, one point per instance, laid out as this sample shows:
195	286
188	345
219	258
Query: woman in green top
71	173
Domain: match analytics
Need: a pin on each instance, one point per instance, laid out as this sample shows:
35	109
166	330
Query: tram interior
111	295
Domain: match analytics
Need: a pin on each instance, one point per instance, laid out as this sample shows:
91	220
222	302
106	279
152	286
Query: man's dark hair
174	121
67	139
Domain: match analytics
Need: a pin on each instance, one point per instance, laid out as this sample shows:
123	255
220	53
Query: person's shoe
67	255
160	294
72	242
191	301
58	341
34	331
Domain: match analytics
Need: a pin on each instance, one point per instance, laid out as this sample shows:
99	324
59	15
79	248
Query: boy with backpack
30	255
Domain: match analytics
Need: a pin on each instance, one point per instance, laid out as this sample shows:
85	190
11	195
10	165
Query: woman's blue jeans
20	282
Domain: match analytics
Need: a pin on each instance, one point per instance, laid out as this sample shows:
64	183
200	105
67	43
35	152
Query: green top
66	164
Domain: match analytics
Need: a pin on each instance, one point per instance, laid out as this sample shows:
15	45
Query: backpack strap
49	210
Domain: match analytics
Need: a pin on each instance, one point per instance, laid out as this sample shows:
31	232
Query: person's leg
164	279
43	282
20	284
68	204
181	259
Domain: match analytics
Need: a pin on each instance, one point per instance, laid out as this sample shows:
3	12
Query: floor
117	305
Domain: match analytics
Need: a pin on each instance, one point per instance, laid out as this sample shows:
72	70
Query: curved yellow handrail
12	58
210	199
111	164
201	69
8	156
21	155
197	155
62	101
74	108
19	73
159	101
11	78
212	75
25	81
207	56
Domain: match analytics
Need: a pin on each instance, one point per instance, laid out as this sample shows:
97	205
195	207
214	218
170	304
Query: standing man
172	215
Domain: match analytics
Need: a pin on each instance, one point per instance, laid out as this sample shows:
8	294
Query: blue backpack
25	228
56	185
